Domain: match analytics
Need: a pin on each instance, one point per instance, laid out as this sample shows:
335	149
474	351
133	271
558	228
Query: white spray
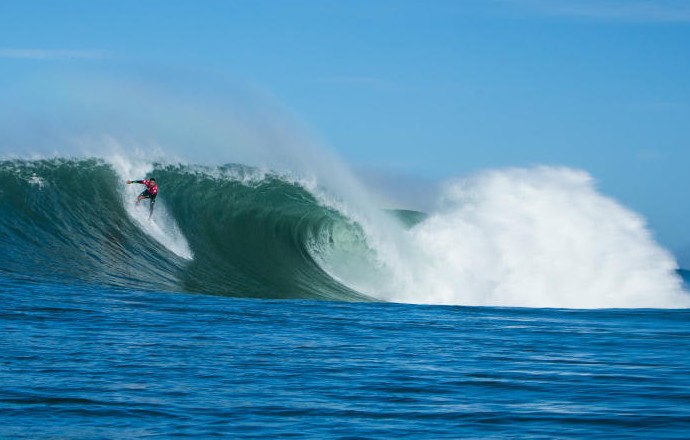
161	226
539	237
542	237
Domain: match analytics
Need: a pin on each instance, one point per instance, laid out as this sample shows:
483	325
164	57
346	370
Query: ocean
257	304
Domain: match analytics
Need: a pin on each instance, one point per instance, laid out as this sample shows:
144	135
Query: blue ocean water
257	305
79	361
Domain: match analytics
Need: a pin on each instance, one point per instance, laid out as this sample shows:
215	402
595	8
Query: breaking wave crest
535	238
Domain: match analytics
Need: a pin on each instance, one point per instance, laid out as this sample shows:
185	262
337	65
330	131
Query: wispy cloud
618	10
50	54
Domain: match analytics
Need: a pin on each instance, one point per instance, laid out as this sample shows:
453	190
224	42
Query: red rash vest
151	187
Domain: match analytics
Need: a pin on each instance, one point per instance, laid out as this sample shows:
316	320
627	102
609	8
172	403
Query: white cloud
618	10
49	54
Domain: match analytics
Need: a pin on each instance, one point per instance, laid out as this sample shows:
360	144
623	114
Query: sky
428	90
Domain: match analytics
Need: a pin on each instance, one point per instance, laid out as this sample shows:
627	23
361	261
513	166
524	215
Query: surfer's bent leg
153	202
146	195
142	196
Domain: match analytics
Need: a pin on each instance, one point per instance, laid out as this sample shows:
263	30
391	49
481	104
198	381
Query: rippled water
86	362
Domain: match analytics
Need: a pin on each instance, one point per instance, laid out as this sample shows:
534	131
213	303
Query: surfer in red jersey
150	192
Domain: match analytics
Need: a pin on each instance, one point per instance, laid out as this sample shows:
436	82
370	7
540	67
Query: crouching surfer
150	192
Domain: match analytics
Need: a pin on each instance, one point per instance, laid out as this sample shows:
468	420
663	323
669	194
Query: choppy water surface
87	362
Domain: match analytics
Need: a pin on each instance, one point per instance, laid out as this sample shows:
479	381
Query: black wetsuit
151	192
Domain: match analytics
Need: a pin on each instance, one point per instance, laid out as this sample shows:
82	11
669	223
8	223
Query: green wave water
250	233
246	232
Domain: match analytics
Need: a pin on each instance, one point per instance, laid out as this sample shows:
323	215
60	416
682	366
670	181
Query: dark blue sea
238	312
80	362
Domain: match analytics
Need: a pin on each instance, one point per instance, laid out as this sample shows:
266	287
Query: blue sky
432	89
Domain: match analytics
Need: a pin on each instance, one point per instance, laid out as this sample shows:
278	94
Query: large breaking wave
537	238
231	230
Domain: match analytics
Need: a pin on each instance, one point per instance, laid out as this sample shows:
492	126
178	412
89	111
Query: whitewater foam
541	237
161	226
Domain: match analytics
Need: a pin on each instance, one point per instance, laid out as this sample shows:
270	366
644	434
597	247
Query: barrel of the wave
252	232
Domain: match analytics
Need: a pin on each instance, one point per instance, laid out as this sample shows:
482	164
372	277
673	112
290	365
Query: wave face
533	238
231	230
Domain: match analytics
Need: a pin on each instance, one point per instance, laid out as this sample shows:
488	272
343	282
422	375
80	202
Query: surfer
150	192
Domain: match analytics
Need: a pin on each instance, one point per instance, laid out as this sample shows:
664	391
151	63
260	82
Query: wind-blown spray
541	237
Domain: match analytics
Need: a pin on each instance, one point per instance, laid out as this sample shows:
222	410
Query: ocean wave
540	237
242	231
